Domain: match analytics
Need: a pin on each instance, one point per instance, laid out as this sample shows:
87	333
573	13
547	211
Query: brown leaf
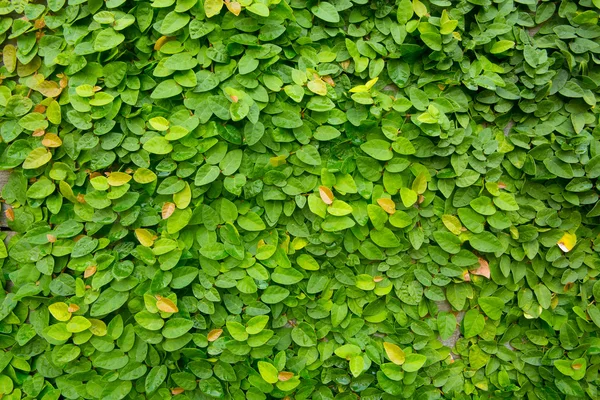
326	195
166	305
176	391
10	214
466	276
377	278
89	271
39	23
329	80
168	209
51	238
73	308
40	108
285	376
214	334
38	133
483	270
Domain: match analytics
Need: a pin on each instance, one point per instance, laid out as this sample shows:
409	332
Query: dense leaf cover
300	199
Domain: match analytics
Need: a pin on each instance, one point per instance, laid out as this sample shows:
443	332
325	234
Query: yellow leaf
159	123
371	83
60	311
317	86
49	88
118	178
394	353
567	242
51	140
234	7
214	334
277	161
452	223
212	7
98	327
183	198
166	305
359	89
388	205
9	57
161	41
145	237
299	243
326	195
419	8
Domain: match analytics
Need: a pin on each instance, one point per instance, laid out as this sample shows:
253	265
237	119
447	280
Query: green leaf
414	362
473	323
492	307
326	11
378	149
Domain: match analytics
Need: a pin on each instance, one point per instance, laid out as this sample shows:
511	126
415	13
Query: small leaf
483	270
166	305
326	194
394	353
388	205
214	334
168	209
212	7
567	242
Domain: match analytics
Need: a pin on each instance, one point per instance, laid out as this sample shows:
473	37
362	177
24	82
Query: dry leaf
89	271
483	270
326	195
234	7
10	214
167	210
51	140
388	205
51	238
285	376
166	305
214	334
176	391
73	308
466	276
38	133
329	80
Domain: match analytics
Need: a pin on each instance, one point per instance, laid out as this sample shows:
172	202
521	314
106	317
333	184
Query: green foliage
252	199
